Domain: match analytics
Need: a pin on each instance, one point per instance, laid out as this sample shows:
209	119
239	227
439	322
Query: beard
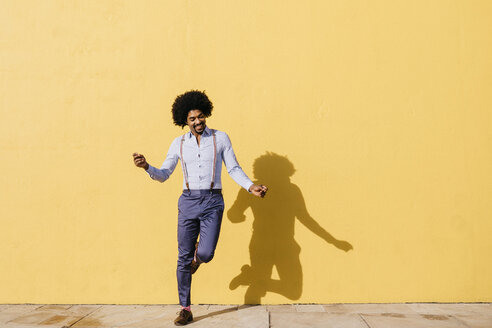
199	128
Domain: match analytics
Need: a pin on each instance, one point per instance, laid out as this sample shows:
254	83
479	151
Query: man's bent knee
205	256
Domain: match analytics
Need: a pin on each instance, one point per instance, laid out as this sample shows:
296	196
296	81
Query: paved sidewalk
394	315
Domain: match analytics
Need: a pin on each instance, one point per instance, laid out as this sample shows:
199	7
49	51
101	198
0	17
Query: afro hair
190	100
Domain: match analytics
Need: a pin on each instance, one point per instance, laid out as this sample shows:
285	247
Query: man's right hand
258	190
140	161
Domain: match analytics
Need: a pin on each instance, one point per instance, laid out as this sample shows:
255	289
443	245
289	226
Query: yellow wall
382	107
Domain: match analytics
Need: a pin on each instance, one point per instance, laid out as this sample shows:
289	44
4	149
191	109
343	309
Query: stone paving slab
16	325
309	308
455	308
373	308
387	320
214	316
20	308
6	317
281	308
124	315
154	317
82	310
241	317
44	318
475	321
315	320
335	308
43	315
253	316
55	307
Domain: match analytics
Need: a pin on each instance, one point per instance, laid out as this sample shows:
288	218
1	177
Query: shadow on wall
272	242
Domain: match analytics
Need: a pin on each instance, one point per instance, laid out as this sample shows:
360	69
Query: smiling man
201	205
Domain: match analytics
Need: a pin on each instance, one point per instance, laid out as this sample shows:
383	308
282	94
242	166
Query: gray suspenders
185	171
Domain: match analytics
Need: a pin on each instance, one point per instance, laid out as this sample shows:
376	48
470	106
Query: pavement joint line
82	317
459	320
362	317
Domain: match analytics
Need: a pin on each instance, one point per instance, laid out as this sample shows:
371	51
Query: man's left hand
258	190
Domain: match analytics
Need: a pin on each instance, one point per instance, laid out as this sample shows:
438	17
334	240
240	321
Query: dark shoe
184	318
195	264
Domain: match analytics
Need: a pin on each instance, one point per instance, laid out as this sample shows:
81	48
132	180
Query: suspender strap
185	172
215	160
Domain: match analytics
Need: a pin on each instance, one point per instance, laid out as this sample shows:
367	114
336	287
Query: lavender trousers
200	214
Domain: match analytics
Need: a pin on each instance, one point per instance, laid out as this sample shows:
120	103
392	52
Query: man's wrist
146	167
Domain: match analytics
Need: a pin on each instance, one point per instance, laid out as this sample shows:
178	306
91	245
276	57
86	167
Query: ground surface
395	315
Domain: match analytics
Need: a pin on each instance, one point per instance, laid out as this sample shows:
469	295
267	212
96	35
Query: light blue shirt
199	161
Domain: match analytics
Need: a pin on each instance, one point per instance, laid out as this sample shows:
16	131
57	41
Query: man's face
196	121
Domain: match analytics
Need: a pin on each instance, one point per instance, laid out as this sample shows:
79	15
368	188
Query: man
201	205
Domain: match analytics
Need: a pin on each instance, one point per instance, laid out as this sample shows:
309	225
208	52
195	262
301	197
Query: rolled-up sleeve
232	165
167	168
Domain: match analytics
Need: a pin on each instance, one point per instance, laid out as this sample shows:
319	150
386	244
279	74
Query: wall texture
369	120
